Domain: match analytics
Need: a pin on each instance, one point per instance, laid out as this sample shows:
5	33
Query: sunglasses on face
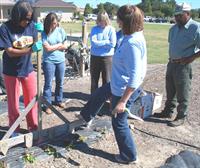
27	19
179	15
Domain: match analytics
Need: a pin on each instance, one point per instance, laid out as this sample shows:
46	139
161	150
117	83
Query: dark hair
48	21
20	11
132	19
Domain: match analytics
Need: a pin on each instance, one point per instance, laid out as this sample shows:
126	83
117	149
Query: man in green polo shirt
184	45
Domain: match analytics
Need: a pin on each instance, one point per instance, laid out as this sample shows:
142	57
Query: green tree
171	3
110	8
158	13
158	7
194	14
198	11
147	6
100	7
167	10
88	9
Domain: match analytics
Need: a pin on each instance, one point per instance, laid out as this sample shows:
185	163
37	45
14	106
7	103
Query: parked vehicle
153	19
161	20
147	18
91	17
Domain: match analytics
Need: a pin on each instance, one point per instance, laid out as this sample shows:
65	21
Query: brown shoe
48	111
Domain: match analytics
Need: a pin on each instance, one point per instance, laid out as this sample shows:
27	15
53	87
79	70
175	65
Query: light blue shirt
103	41
119	36
184	41
129	64
57	36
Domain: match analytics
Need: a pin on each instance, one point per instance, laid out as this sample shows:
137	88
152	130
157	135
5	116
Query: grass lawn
157	43
156	36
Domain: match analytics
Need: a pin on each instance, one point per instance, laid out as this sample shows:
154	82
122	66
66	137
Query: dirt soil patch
154	139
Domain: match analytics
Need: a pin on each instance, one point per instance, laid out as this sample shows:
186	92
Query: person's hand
26	50
37	46
120	108
39	26
61	47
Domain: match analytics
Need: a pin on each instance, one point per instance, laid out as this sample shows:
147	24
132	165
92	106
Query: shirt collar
188	23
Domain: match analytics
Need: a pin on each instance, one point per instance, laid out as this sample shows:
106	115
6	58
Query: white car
147	18
91	17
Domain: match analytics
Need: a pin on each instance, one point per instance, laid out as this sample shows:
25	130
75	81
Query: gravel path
154	139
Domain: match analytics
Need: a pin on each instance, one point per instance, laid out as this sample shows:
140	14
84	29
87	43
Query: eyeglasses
179	15
27	19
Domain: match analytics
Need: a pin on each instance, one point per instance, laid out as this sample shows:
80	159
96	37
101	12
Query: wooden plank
84	42
39	90
5	144
3	97
54	110
19	119
45	136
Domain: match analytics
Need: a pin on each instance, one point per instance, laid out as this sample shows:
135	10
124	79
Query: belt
176	61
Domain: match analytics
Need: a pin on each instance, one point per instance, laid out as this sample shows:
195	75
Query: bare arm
13	52
190	59
47	47
64	46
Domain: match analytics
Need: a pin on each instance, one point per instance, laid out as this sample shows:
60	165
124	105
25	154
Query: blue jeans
120	124
96	101
98	98
123	135
50	71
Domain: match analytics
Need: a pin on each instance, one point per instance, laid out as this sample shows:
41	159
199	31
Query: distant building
5	9
81	10
64	10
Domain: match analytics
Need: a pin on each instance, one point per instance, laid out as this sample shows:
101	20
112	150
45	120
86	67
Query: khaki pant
178	86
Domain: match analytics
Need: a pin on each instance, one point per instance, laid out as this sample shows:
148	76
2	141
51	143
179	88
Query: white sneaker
87	124
76	123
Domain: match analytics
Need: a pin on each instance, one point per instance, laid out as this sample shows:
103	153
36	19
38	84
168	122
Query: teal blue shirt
57	36
184	41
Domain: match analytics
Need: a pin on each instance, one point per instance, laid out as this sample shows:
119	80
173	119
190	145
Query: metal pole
39	92
84	41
